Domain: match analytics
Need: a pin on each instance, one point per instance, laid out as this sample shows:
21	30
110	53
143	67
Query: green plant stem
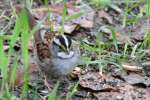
126	14
64	16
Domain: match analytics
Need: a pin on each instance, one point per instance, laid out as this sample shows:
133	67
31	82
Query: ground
114	40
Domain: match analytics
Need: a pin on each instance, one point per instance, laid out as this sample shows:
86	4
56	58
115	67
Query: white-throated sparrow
56	54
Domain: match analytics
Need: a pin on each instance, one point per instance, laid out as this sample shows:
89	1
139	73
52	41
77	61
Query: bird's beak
67	50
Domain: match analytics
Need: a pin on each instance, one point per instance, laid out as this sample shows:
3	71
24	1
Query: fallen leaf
81	93
69	28
93	81
135	79
108	95
105	15
126	92
76	72
133	33
86	24
82	15
127	96
134	68
55	8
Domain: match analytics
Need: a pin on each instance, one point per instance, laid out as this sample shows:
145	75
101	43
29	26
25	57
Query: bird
56	54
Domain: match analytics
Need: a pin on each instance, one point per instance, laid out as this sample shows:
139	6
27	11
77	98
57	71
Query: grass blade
53	94
114	39
75	16
24	30
74	90
134	50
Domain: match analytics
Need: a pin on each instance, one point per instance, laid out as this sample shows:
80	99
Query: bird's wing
42	44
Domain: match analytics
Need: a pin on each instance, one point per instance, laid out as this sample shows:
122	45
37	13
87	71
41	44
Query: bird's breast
65	66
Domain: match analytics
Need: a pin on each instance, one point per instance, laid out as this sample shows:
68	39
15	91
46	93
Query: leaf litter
128	84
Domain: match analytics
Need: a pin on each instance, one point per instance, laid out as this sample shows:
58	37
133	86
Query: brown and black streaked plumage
56	54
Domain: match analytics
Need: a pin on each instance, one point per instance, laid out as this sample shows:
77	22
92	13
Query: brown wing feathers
41	47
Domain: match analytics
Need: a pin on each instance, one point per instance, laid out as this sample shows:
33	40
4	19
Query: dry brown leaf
85	20
94	82
133	79
76	72
108	95
69	28
86	23
133	68
103	14
133	33
55	8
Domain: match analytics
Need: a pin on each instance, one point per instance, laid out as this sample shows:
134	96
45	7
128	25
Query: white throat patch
64	55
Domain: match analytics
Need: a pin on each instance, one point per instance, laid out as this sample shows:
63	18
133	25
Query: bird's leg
46	83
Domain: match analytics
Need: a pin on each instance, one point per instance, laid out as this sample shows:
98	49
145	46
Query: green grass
22	33
125	49
100	3
22	28
53	95
3	67
5	61
72	92
104	56
99	48
125	14
24	25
